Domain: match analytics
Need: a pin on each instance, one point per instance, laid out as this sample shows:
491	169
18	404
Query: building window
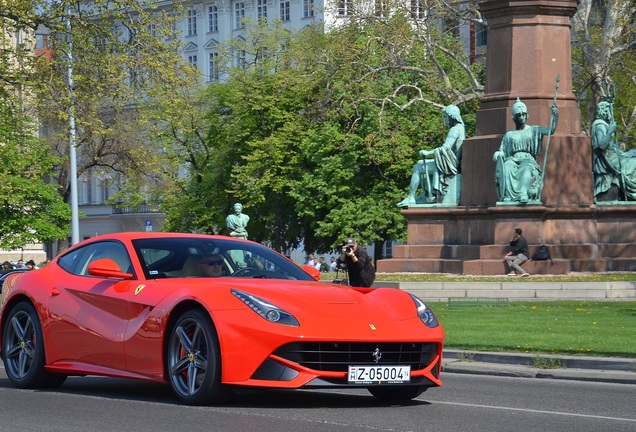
345	7
173	31
192	61
104	190
381	8
41	41
418	9
240	59
213	18
85	192
152	30
308	8
481	34
261	9
239	14
451	26
192	22
213	66
284	10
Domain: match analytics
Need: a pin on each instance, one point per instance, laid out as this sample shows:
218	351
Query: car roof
134	235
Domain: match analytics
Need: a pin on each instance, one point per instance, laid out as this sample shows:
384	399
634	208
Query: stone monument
528	46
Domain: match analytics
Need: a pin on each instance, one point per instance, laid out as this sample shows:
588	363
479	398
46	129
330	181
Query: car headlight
425	313
266	310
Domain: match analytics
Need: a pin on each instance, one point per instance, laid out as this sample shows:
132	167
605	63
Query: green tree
251	150
125	63
316	132
31	209
604	42
383	84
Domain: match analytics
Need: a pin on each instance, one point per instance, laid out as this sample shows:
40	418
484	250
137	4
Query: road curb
598	369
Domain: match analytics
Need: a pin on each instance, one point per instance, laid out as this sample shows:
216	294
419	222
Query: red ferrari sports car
207	314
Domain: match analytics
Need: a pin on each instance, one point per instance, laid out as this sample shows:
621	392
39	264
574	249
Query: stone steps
488	259
517	289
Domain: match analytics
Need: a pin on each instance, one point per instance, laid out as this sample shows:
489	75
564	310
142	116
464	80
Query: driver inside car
211	266
206	265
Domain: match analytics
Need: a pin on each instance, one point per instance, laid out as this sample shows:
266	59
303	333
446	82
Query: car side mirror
313	271
106	267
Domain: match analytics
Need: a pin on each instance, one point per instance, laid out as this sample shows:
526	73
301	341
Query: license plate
379	374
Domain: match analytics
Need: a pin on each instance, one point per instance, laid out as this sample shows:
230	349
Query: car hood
326	300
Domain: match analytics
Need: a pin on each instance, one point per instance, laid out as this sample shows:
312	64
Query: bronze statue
237	222
614	170
434	175
518	176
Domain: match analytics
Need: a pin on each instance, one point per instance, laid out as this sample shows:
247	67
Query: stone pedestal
528	47
568	173
474	240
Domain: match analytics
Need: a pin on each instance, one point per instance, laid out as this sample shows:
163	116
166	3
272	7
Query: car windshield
206	257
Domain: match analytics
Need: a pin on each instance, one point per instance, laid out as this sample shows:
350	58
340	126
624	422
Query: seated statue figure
518	176
614	170
434	175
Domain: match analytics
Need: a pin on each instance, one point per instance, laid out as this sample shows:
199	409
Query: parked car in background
5	273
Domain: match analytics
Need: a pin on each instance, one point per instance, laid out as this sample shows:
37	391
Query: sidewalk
601	369
517	289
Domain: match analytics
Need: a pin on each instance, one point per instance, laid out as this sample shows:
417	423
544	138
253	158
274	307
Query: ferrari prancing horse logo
139	288
377	355
371	326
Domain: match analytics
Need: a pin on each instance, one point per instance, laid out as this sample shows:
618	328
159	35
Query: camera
348	249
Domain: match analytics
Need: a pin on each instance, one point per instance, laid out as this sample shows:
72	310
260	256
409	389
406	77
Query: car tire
397	393
23	350
193	360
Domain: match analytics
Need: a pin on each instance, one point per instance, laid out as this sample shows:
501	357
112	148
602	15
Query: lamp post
71	124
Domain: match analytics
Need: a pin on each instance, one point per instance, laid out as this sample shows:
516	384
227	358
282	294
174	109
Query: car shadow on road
324	398
123	389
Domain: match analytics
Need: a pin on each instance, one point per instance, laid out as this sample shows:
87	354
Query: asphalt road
465	403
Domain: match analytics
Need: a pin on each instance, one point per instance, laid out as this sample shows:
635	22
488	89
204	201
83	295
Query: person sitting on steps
518	255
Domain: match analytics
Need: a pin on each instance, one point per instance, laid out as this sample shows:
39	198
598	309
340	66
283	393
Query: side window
77	262
157	263
247	259
70	261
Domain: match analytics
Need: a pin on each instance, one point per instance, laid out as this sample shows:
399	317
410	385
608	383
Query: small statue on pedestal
237	222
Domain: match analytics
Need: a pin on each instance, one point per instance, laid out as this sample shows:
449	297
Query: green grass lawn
561	327
591	328
444	277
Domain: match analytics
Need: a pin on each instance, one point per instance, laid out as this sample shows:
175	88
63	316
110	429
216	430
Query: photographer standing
358	264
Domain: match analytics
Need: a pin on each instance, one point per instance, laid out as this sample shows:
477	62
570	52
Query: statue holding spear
518	178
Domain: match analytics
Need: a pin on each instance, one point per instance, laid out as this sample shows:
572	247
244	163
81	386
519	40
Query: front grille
338	356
